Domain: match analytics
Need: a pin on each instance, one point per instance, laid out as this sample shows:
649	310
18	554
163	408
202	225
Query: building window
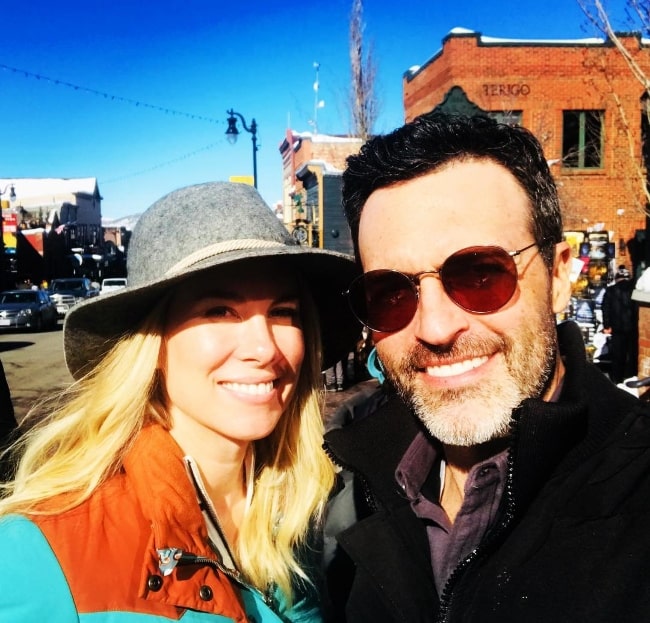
582	139
510	117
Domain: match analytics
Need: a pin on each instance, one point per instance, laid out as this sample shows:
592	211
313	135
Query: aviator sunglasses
480	280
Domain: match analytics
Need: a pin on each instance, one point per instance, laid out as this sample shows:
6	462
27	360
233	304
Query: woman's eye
285	312
219	311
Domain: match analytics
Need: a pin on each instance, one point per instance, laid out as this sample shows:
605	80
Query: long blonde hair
90	425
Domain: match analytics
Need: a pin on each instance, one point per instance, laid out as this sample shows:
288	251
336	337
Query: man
621	322
503	478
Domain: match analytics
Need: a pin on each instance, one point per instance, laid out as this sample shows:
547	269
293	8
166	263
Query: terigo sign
515	90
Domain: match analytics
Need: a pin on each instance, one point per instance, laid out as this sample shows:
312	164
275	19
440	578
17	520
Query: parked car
113	283
27	309
69	291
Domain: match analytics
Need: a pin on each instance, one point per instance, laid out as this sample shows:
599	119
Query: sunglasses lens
383	300
480	279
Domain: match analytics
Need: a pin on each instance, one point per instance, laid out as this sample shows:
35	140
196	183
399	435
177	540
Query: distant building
53	228
73	207
311	209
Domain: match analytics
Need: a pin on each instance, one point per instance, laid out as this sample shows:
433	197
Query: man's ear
560	282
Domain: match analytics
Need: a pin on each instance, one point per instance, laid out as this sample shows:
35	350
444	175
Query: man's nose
438	320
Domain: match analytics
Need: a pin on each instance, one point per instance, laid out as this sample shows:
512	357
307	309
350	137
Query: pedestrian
8	424
621	323
7	420
362	349
335	376
182	475
503	479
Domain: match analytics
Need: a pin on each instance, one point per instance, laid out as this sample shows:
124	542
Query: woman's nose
256	340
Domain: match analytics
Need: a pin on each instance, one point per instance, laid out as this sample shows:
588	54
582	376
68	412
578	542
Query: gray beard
479	413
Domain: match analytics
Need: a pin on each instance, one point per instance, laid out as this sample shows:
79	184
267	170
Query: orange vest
107	546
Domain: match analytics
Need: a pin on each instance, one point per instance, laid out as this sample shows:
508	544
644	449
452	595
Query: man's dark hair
435	139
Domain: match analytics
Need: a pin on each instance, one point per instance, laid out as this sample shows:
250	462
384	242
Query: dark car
27	309
69	291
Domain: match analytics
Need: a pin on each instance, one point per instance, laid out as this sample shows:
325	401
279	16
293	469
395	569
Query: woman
180	475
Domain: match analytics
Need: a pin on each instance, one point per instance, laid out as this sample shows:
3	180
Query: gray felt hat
194	229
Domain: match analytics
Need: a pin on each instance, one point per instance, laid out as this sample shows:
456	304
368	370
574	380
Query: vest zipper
233	573
173	556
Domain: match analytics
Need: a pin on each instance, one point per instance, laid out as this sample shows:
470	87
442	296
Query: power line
108	96
162	164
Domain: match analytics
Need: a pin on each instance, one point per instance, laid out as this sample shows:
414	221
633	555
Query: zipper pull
168	558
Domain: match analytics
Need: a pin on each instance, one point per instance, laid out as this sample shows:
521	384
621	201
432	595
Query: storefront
594	265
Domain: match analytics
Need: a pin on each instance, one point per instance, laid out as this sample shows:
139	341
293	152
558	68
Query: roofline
485	41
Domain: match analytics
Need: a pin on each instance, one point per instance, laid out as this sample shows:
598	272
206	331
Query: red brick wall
644	340
322	151
541	81
332	151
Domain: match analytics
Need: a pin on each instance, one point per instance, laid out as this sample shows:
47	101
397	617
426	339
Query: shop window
582	139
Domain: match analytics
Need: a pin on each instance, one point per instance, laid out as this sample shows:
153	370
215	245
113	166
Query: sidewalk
333	400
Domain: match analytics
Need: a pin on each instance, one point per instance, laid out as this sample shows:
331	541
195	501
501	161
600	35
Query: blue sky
156	78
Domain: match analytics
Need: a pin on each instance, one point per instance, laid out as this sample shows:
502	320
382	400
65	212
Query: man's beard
480	412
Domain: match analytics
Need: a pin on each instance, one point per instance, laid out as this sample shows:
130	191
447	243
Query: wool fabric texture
194	229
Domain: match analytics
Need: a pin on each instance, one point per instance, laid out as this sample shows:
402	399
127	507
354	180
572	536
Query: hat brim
92	327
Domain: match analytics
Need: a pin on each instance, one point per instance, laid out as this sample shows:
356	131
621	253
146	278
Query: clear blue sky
138	64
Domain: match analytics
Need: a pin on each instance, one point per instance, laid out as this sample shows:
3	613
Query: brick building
582	101
312	165
578	97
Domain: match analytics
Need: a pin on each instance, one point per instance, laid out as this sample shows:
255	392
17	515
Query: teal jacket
102	561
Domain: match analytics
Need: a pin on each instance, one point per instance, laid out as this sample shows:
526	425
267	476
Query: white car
114	283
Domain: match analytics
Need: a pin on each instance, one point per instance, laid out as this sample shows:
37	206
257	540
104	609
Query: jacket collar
155	467
156	471
558	436
545	434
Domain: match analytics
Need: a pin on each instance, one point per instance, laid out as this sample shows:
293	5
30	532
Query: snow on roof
325	138
326	166
595	41
504	40
128	222
50	186
459	30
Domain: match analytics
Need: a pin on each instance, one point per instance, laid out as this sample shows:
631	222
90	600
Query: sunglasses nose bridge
438	317
417	278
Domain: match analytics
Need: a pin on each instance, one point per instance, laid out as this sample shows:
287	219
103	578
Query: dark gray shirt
420	473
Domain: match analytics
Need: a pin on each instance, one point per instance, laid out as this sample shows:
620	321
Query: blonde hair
294	479
91	424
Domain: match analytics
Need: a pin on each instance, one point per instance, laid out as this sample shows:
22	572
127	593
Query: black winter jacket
620	312
572	542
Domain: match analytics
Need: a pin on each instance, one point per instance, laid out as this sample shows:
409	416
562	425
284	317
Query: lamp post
3	255
232	133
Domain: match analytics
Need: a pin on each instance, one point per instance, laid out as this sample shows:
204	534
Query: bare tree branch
363	100
603	23
638	12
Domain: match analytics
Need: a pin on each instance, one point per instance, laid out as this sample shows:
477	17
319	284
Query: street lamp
232	133
3	256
